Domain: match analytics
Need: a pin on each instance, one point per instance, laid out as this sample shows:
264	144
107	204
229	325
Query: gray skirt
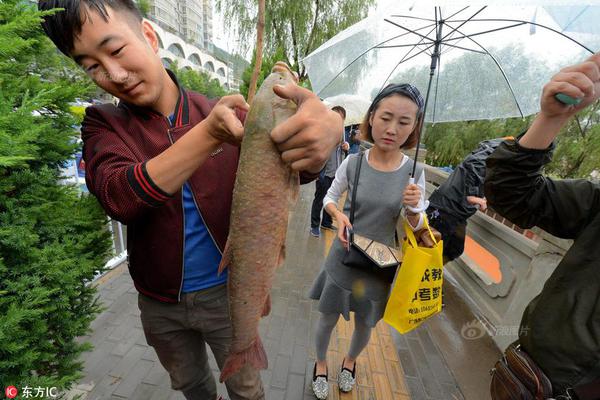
340	289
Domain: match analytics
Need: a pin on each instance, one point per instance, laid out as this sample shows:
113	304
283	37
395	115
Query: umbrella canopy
484	62
355	106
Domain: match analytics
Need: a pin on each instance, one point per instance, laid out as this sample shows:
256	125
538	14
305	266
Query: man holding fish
164	162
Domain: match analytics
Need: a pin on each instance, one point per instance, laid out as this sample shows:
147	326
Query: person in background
560	328
323	183
352	136
459	198
392	124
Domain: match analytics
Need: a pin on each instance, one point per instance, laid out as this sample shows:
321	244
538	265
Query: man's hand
479	202
222	122
581	81
307	138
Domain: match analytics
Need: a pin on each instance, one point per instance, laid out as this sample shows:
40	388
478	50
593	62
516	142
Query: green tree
52	239
198	81
144	7
267	64
297	27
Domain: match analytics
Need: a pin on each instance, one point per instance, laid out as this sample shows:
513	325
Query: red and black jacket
118	141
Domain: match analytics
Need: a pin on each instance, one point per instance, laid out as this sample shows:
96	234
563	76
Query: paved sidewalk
122	366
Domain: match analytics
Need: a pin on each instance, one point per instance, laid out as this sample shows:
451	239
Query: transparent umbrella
470	62
355	106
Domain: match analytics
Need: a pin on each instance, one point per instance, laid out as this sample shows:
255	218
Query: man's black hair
65	25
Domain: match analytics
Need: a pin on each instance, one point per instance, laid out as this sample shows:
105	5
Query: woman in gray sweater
391	124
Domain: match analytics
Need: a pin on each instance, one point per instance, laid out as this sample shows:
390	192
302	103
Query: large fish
265	189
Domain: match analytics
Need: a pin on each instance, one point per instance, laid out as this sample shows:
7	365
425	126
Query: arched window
195	59
210	66
177	50
221	71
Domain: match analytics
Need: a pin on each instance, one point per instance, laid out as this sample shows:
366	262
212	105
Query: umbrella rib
484	32
362	54
409	30
398	45
501	70
576	17
464	48
527	22
411	17
403	59
464	22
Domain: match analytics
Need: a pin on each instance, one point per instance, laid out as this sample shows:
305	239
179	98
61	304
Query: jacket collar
182	115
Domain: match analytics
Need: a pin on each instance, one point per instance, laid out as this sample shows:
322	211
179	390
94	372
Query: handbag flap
384	256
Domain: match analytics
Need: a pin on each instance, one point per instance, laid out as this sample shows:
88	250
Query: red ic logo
11	392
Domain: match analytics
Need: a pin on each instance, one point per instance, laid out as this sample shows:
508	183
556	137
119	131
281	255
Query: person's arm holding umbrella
514	184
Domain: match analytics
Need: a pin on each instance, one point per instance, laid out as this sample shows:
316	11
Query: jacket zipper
204	222
182	231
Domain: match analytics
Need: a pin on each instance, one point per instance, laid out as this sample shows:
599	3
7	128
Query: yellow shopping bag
417	291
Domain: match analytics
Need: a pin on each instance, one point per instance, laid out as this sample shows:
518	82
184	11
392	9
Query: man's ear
150	35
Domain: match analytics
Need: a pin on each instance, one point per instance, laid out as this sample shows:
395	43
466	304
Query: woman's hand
411	195
343	222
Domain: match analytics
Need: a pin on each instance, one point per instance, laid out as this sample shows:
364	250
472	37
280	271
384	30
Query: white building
190	19
173	48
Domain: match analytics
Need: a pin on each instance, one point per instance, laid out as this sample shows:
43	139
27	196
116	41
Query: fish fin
267	307
225	259
281	259
294	188
255	355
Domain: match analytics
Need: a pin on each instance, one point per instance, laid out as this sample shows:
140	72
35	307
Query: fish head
285	71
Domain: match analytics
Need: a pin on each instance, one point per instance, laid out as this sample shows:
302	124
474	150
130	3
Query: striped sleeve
144	186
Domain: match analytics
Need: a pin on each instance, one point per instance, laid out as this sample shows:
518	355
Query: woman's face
393	121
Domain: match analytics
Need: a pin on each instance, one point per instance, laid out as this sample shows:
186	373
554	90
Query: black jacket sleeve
516	188
474	167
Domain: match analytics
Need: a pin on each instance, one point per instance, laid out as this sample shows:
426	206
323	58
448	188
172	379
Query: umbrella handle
566	99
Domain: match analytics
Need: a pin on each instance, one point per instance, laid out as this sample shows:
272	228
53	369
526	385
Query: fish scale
265	190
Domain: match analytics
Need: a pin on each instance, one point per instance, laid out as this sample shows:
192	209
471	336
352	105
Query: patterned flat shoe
347	378
320	386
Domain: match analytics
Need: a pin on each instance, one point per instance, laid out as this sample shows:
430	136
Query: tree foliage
199	81
52	239
577	152
297	27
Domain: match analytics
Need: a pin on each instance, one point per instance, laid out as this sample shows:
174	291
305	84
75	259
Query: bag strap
355	187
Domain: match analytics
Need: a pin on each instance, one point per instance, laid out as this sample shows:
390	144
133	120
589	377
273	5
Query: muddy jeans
179	334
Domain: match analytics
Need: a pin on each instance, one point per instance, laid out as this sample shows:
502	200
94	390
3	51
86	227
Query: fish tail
255	355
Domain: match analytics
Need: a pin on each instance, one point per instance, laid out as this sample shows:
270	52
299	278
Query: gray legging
325	325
